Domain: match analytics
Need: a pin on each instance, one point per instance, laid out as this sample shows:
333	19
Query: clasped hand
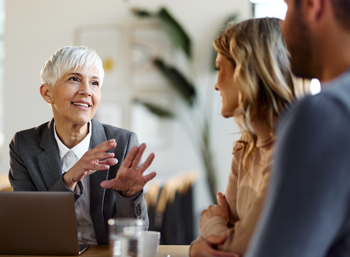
129	179
207	247
216	210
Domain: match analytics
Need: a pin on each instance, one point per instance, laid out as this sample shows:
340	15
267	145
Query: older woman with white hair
97	163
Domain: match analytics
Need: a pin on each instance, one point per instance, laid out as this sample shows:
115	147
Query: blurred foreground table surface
173	251
103	251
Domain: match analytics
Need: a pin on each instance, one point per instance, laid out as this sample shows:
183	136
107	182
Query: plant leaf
232	18
206	133
210	171
156	110
185	89
175	31
142	13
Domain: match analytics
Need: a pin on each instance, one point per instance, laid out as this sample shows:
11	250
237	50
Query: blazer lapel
49	160
97	193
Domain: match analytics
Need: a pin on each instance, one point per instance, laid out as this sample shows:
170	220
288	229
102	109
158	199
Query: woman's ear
46	93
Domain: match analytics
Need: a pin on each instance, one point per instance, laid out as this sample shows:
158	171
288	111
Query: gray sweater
307	212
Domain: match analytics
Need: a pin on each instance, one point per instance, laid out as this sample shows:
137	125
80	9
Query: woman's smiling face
76	96
224	83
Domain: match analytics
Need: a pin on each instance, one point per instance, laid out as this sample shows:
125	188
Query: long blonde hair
262	73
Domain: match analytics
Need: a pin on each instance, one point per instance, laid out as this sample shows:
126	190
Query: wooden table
173	251
103	251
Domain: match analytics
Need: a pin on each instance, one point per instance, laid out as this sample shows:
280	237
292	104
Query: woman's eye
95	83
216	68
74	79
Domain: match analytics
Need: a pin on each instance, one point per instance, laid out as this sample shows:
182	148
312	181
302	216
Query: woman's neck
263	133
71	135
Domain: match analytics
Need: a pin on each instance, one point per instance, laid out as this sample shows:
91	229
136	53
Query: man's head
341	9
306	29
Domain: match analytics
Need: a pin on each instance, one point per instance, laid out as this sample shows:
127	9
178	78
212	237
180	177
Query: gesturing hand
130	179
92	160
206	247
216	210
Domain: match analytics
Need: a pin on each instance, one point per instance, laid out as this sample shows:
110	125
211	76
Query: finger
203	253
96	166
83	175
107	184
147	163
215	240
100	155
149	177
130	157
138	156
86	168
105	146
89	172
95	154
215	253
203	212
110	161
221	199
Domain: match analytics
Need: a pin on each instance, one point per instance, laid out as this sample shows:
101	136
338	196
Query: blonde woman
256	85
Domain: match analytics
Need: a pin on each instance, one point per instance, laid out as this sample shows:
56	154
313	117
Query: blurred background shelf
4	183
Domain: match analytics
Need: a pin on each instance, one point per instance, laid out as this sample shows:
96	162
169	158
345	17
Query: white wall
36	28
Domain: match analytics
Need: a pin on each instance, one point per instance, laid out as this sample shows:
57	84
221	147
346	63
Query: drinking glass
125	237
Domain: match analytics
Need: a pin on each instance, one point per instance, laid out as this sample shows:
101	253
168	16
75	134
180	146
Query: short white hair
69	58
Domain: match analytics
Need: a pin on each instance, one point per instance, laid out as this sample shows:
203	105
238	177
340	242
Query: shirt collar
79	150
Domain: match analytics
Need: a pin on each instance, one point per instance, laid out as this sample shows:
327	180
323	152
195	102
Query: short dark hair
341	12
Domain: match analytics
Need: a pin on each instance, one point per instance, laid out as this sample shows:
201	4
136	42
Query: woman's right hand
90	163
221	210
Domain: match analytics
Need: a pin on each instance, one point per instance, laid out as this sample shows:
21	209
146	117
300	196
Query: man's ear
315	9
46	93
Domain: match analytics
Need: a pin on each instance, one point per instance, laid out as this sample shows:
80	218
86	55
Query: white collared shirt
69	157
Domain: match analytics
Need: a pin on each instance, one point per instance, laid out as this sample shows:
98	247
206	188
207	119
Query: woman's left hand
207	247
216	210
130	179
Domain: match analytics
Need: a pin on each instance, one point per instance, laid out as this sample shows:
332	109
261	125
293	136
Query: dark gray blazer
35	165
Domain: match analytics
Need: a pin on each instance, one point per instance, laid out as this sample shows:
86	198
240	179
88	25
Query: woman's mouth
82	104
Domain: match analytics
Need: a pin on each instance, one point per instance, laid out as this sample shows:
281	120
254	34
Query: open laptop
38	223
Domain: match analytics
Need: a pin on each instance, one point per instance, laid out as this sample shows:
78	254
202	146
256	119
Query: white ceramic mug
150	243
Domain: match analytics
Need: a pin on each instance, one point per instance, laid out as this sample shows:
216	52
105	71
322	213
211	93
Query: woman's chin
80	121
226	114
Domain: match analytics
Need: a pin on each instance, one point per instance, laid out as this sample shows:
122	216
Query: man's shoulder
318	116
332	103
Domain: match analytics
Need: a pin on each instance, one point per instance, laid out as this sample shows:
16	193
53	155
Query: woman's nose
85	89
216	87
